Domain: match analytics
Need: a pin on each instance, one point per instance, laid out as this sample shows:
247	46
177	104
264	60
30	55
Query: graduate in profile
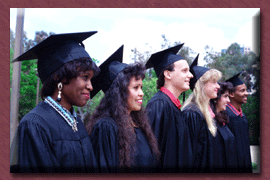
224	144
164	111
238	123
52	138
119	129
199	116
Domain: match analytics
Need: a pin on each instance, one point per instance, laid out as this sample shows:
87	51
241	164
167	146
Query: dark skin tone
77	92
239	96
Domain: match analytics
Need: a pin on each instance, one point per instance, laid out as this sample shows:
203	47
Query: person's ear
231	94
167	74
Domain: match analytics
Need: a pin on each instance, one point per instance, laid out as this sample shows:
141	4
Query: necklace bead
68	117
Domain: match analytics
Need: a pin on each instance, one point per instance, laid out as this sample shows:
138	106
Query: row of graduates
121	135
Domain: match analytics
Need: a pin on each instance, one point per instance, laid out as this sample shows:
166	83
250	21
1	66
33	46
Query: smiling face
77	92
211	89
181	75
240	94
135	94
222	102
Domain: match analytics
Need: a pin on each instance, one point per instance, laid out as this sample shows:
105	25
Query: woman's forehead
134	79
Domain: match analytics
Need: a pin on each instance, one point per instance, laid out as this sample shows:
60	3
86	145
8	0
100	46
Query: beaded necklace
69	118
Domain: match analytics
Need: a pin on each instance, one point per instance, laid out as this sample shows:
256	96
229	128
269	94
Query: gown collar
234	110
171	96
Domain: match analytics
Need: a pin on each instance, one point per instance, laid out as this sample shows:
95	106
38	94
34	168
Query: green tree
11	65
149	88
252	107
28	86
28	82
29	78
234	49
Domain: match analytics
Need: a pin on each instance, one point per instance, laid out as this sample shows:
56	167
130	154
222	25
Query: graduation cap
55	51
162	59
109	69
197	72
235	80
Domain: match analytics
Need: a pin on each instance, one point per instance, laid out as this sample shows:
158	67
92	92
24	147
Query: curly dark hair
161	81
68	71
222	116
114	105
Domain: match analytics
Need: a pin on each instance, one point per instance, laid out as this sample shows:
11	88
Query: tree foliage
29	79
28	86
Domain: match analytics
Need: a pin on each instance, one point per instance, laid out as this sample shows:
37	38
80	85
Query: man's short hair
161	81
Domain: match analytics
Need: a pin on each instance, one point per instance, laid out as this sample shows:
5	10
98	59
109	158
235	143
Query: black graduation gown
224	154
48	144
239	127
105	142
200	139
211	154
171	132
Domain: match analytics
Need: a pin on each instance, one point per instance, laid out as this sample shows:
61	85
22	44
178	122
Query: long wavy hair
222	116
114	105
200	98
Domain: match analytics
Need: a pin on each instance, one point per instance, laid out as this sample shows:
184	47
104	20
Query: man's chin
186	88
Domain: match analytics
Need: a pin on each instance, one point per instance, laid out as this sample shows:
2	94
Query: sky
142	28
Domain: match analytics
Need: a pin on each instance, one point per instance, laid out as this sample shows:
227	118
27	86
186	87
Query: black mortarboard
197	72
162	59
235	80
55	51
109	69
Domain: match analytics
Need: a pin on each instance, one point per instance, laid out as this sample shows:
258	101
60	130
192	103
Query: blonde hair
201	100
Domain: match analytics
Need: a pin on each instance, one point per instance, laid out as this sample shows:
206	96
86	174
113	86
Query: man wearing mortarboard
238	123
164	111
52	138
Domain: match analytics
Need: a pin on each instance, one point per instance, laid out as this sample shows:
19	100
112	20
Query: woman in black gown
224	154
52	138
198	117
119	129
